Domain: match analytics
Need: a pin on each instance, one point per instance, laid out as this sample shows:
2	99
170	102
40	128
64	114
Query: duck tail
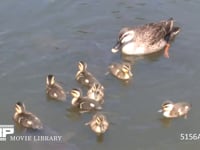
172	34
169	25
172	30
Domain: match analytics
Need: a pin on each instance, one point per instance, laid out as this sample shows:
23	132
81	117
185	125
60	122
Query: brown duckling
173	110
84	104
26	119
121	71
84	77
98	124
96	92
54	90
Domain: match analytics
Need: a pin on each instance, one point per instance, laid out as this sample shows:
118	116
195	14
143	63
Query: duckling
146	39
173	110
98	124
85	104
84	77
54	90
96	92
121	71
26	119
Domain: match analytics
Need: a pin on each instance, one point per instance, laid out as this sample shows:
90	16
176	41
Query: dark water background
38	37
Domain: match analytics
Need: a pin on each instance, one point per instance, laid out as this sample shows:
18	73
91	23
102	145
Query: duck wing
153	32
30	121
89	105
86	79
182	108
56	92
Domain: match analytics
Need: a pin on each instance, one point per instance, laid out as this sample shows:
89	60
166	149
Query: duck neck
15	115
167	114
74	101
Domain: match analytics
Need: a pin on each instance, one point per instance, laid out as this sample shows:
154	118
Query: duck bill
160	110
116	48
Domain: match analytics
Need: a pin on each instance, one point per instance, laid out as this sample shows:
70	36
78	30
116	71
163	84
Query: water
50	36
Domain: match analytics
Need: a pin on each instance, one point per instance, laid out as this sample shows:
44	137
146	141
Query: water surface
50	36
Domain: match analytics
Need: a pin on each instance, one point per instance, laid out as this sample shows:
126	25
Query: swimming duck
173	110
85	104
98	124
121	70
53	89
85	77
96	92
146	39
26	119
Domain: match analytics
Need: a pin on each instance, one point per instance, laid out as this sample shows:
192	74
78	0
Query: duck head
76	93
50	79
167	106
82	66
20	107
126	37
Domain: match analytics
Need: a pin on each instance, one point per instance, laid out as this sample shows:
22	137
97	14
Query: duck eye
127	37
164	107
19	103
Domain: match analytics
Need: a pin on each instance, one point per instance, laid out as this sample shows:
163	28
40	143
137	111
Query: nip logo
5	130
